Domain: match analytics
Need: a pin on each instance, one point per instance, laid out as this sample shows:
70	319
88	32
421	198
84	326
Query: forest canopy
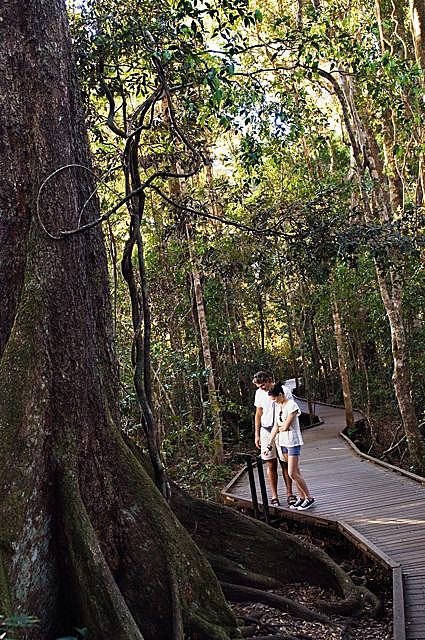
279	153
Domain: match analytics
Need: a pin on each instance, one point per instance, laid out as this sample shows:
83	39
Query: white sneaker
297	504
306	504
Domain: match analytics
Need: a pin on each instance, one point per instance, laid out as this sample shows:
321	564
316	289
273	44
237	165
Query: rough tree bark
85	537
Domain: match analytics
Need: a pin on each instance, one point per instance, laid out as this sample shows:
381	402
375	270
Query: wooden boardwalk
381	510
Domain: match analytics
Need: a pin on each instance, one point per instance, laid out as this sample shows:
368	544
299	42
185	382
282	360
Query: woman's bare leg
295	474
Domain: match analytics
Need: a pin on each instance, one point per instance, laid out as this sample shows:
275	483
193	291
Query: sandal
291	500
275	502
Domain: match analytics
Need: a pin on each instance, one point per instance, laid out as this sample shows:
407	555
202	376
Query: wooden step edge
399	619
228	487
359	540
382	463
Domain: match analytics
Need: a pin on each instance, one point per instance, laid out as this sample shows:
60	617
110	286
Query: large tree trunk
86	538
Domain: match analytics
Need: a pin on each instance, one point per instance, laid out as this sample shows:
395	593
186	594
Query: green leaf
230	68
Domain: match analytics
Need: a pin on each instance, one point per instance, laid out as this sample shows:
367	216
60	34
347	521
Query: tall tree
343	364
82	526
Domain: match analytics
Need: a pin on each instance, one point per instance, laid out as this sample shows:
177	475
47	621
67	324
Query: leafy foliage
285	214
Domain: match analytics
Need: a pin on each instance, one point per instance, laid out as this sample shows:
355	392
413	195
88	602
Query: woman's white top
292	437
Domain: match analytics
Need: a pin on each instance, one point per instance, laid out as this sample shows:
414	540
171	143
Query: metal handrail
250	459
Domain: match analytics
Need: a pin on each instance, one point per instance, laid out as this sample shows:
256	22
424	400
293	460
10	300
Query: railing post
248	461
249	458
263	489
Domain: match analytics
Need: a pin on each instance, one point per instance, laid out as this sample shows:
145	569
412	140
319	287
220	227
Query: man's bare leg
271	471
287	478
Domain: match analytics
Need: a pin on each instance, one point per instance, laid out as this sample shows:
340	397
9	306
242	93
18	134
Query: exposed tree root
350	606
346	631
237	593
90	572
242	548
229	571
248	630
354	605
375	602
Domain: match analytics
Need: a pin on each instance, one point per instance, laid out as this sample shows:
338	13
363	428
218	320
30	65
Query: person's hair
262	376
277	390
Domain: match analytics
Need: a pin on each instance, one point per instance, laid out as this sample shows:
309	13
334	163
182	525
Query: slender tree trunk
385	196
206	351
343	364
214	202
306	373
289	325
244	389
363	368
183	392
172	323
322	368
260	308
401	372
417	26
214	405
299	18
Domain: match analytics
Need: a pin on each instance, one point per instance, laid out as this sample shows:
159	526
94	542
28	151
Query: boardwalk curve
381	510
